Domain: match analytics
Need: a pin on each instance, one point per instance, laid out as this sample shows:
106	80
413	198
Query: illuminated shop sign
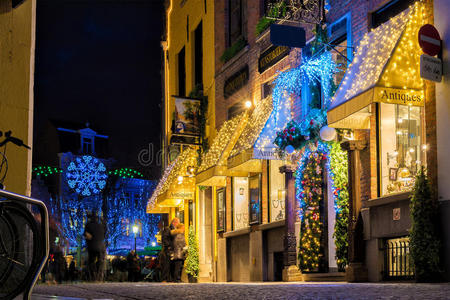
271	56
399	96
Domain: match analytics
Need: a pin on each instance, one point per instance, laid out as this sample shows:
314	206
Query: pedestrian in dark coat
179	251
94	233
133	266
166	250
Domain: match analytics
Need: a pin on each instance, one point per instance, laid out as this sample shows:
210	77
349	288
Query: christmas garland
307	189
311	230
303	134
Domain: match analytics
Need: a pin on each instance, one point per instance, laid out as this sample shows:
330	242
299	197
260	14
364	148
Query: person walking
133	266
166	250
94	233
179	244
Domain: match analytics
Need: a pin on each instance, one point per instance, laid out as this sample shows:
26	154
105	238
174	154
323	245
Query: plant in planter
278	10
424	238
192	260
231	51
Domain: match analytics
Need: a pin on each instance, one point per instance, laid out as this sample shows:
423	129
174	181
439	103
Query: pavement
241	291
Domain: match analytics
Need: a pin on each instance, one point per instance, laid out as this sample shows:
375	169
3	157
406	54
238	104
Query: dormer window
87	145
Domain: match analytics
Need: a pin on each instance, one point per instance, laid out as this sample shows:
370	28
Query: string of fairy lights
255	125
181	171
387	56
289	84
46	171
224	136
126	173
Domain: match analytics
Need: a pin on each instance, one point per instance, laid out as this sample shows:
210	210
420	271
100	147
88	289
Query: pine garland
311	232
338	166
192	260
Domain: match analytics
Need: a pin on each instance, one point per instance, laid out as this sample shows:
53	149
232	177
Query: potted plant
192	260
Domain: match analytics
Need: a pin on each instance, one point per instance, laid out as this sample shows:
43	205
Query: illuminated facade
17	37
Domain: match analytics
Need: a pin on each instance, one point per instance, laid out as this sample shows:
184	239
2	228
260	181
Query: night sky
100	61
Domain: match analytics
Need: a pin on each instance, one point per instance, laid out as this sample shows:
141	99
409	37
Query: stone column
290	271
356	270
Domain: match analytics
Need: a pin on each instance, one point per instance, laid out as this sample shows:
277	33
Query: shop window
240	202
401	146
277	191
182	73
266	89
387	11
87	145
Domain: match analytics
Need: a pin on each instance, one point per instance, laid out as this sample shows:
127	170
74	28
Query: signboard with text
271	56
430	68
235	82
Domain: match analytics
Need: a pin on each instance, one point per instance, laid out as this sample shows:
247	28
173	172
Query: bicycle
24	244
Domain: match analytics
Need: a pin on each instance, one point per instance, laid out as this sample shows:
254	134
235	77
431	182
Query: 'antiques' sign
399	96
235	82
271	56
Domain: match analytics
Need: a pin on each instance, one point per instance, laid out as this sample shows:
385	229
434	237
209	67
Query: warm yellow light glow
135	229
248	104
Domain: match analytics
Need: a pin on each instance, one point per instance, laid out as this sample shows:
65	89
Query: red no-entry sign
429	39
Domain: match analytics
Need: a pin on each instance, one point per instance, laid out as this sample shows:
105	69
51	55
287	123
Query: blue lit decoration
86	175
126	207
288	85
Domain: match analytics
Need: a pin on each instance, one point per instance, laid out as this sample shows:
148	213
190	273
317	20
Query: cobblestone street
244	291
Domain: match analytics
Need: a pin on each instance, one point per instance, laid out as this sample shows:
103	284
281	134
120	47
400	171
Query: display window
277	191
402	148
240	202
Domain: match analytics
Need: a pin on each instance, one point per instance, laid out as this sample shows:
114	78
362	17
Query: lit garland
217	151
311	228
126	173
289	84
336	165
377	51
185	160
86	175
46	170
255	125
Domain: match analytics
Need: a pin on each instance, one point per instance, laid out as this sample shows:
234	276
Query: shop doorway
278	265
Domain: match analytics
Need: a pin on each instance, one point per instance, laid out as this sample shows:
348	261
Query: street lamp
135	231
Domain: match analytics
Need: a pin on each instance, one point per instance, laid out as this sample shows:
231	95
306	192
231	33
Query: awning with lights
244	156
213	169
386	68
177	183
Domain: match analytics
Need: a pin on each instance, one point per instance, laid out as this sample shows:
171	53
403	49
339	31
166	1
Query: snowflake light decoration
86	175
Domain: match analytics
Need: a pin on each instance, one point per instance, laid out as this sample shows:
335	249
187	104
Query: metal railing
43	232
398	264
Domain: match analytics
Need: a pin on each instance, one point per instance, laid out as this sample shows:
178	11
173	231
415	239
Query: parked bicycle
24	244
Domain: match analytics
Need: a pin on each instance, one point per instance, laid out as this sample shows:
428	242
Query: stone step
333	277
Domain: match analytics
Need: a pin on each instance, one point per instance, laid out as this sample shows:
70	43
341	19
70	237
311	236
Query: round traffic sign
429	39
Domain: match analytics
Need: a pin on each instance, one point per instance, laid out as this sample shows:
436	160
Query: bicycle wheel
19	249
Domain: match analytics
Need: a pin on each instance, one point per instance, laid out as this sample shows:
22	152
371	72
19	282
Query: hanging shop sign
271	56
429	40
285	35
398	96
430	68
186	116
235	82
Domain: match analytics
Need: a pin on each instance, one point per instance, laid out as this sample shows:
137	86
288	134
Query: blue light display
288	84
86	175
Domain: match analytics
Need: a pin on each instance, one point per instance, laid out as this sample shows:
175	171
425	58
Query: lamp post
135	231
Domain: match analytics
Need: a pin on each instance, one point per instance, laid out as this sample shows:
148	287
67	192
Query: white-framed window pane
276	191
240	202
